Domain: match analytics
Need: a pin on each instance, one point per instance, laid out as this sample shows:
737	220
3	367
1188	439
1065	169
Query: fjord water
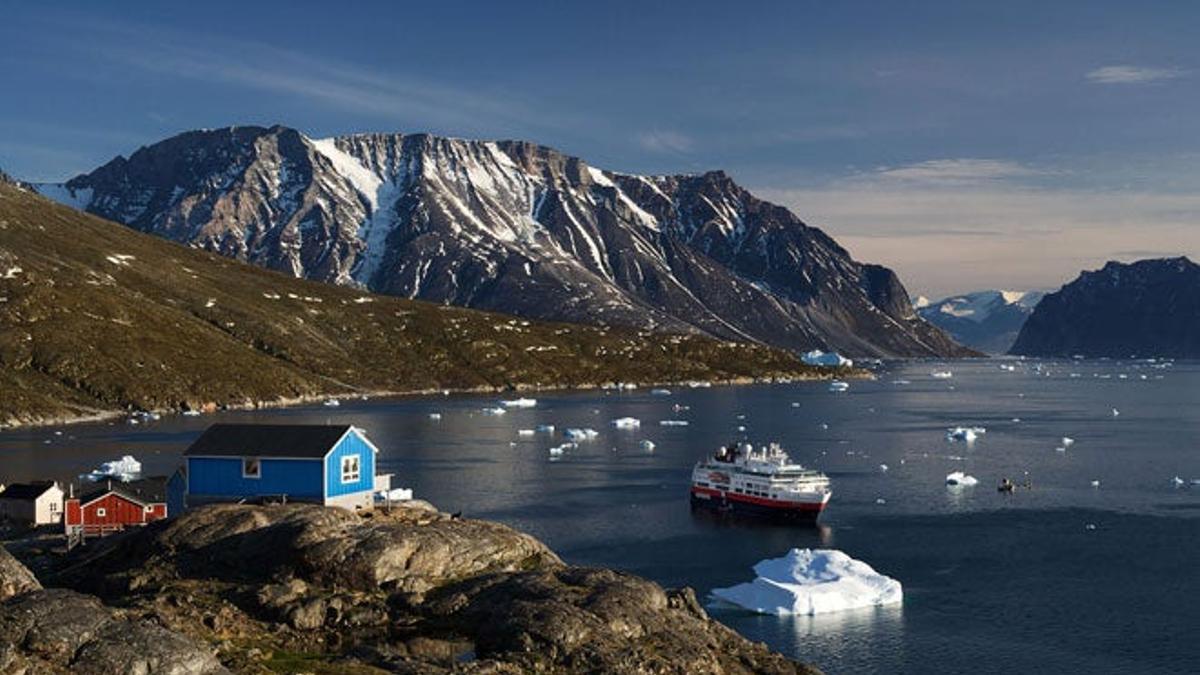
1066	576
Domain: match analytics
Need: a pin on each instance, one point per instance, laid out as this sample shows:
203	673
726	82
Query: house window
101	512
251	467
53	507
350	469
149	509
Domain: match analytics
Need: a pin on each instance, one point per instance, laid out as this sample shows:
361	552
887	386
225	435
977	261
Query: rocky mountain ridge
1148	308
514	227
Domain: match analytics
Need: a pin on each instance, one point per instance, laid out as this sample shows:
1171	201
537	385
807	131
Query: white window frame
149	508
257	465
349	476
101	512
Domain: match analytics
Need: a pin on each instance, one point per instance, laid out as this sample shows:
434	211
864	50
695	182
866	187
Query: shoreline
297	401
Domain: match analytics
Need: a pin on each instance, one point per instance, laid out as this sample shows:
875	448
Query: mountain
513	227
1149	308
985	320
96	318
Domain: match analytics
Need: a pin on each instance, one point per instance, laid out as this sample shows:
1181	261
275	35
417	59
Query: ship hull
798	513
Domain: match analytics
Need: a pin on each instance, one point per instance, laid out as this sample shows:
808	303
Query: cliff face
301	587
1149	308
513	227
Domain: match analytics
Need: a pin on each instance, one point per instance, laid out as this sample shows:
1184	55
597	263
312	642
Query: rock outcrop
408	591
15	578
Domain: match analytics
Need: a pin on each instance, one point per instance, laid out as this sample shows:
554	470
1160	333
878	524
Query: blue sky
967	144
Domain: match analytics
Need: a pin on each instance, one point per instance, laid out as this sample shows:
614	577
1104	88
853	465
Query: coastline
296	401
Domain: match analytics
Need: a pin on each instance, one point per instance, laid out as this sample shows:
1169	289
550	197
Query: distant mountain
96	318
985	320
513	227
1149	308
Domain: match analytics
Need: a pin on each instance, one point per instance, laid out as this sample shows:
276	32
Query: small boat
762	483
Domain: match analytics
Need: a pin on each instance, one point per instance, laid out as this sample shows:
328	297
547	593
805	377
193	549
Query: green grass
101	318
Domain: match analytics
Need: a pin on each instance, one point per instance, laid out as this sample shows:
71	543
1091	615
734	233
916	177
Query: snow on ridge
349	167
59	192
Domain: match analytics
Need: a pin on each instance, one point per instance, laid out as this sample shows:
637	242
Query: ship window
251	467
350	471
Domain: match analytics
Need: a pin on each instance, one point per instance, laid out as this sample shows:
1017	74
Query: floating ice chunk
125	469
545	428
1016	420
435	416
958	478
968	434
941	374
681	408
332	403
558	450
519	403
581	434
883	468
1115	412
494	411
673	423
1067	441
1060	449
808	582
839	386
647	444
881	501
1089	526
825	359
525	432
660	392
627	423
191	413
1095	483
1177	481
795	404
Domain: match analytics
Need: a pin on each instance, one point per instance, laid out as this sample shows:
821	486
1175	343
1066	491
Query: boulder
15	578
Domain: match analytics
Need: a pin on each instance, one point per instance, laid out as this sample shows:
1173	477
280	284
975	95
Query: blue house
326	464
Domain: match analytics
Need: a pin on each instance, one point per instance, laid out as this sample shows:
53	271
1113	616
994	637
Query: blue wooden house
326	464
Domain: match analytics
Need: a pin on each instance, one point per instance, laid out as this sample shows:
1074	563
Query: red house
114	507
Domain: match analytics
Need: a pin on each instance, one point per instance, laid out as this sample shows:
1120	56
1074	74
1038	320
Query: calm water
1066	576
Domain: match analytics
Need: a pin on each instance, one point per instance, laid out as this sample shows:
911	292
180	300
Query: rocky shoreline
304	588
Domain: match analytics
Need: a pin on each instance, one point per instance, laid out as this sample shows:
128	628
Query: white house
38	503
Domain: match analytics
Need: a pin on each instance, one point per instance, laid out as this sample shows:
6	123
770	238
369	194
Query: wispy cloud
665	141
1125	74
950	225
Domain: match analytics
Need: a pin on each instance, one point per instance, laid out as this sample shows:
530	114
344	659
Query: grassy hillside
96	318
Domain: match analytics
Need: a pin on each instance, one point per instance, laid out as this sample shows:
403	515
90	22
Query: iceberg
581	434
838	385
435	416
627	423
519	403
958	478
545	428
673	423
825	359
812	581
941	374
968	434
647	444
494	411
660	392
525	432
125	469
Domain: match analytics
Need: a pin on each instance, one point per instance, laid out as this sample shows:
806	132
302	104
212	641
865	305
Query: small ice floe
660	392
1067	441
901	382
673	423
812	581
332	403
1179	482
1095	483
580	434
1016	420
125	469
1089	526
558	450
883	468
839	386
435	416
525	432
1116	413
681	408
881	501
627	423
960	479
494	411
191	413
519	403
824	426
968	434
795	404
647	444
1061	448
545	428
941	374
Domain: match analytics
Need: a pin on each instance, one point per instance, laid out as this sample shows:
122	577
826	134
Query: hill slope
95	317
512	227
1149	308
985	320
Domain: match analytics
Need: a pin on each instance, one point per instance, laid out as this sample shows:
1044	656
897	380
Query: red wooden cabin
113	508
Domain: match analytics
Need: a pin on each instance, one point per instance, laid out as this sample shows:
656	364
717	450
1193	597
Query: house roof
268	440
143	491
27	491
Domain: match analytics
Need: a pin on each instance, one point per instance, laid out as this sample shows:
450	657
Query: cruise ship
762	482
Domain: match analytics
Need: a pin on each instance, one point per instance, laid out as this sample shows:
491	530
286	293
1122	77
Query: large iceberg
829	359
125	469
812	581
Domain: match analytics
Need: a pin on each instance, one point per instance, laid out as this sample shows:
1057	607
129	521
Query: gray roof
267	440
152	490
26	491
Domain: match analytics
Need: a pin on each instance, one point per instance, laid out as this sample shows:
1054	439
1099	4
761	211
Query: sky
968	145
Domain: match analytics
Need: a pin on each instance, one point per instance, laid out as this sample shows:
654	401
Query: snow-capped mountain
985	320
513	227
1149	308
